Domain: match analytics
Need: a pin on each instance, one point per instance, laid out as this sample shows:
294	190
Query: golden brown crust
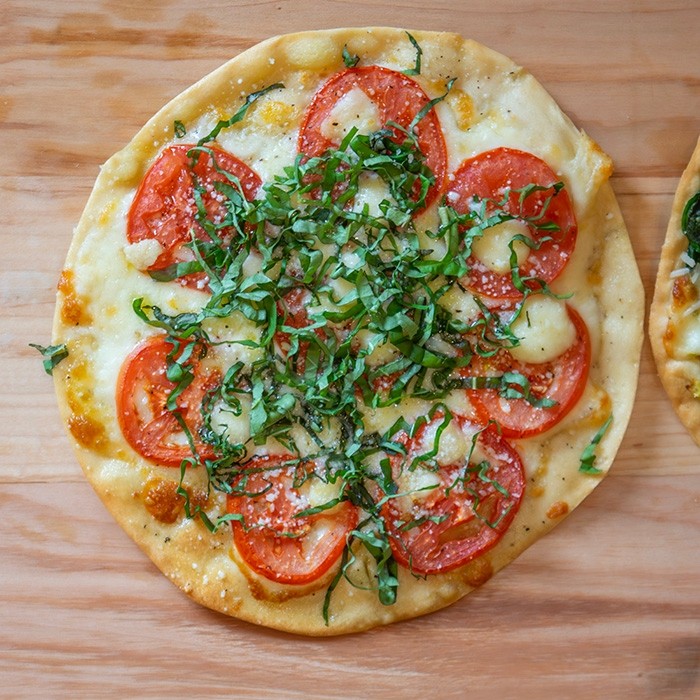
678	366
90	320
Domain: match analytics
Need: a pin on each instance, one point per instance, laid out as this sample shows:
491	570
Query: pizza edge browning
244	594
678	373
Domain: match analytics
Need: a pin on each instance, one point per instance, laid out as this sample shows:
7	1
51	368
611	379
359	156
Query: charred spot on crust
88	432
162	500
684	292
478	572
73	306
557	510
164	503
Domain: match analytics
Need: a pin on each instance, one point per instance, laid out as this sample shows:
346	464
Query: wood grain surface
607	606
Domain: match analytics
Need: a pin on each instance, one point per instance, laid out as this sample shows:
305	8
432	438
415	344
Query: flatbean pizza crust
494	103
673	324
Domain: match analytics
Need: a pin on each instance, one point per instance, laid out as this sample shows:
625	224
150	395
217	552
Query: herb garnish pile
330	283
306	235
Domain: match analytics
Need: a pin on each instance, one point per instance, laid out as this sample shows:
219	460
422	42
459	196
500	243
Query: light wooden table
607	606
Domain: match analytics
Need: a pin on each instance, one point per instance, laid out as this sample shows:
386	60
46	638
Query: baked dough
483	103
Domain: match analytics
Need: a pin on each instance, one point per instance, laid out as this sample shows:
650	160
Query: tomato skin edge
500	168
311	142
160	209
138	368
276	557
485	401
471	548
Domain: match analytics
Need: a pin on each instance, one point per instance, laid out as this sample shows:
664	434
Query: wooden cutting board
607	606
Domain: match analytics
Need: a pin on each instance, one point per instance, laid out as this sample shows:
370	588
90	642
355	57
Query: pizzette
343	328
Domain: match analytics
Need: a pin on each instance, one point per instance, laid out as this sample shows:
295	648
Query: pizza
674	322
347	326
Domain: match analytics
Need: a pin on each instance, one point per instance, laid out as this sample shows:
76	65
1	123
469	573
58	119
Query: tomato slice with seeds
493	175
143	389
272	539
164	207
562	380
464	515
398	99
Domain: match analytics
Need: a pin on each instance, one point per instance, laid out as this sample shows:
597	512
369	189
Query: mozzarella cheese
687	336
353	110
493	248
235	427
461	304
372	191
544	330
453	444
143	254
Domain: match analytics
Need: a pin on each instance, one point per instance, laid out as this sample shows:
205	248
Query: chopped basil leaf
179	129
377	544
52	354
419	53
238	116
326	284
588	456
514	385
350	60
431	103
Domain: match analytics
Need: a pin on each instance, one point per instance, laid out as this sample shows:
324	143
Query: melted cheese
380	352
686	336
372	191
318	492
418	482
544	329
354	109
493	248
143	254
453	444
226	353
236	428
461	304
381	419
307	445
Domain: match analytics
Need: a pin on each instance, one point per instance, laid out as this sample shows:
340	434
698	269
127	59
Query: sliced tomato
562	380
495	176
164	207
398	99
142	392
464	515
292	311
272	539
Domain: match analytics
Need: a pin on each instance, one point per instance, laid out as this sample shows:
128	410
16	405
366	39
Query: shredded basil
238	116
510	385
332	283
423	112
588	456
179	129
419	53
350	60
52	354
